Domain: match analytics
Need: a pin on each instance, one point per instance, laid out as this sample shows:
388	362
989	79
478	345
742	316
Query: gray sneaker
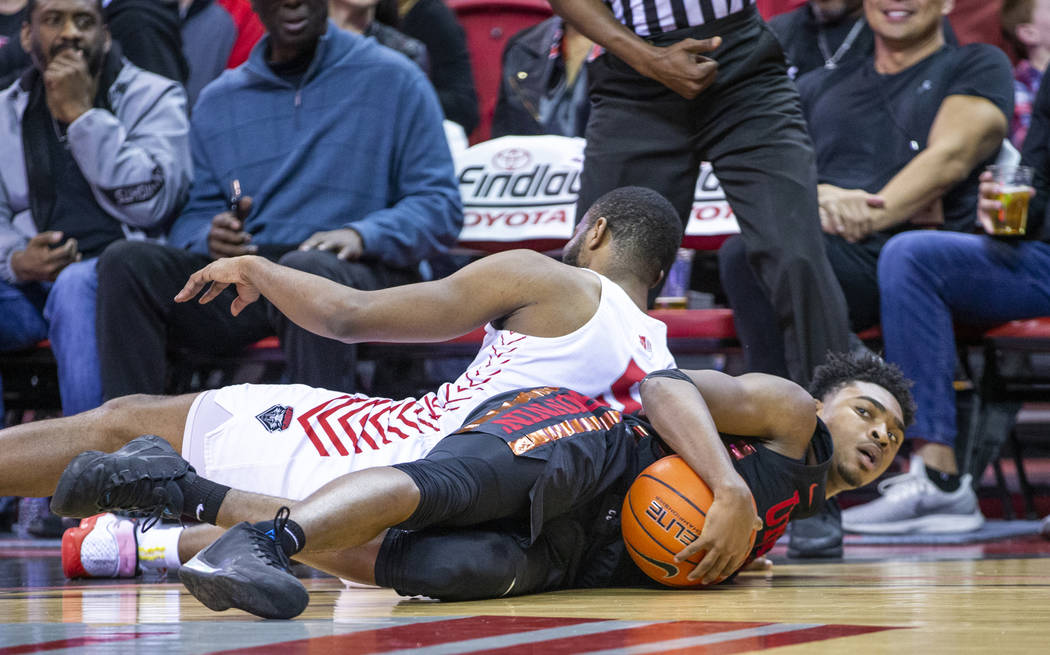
912	504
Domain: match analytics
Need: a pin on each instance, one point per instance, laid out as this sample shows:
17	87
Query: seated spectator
95	150
945	278
359	17
12	57
433	23
927	281
108	158
828	33
900	137
543	84
337	145
1026	27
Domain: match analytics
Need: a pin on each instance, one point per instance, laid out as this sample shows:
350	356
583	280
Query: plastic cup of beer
1015	189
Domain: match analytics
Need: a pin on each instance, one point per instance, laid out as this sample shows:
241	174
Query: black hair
645	228
841	369
31	5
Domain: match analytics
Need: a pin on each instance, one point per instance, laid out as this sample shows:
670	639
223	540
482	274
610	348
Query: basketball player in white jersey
580	326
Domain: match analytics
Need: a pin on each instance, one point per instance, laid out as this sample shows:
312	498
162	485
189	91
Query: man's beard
571	254
94	58
850	477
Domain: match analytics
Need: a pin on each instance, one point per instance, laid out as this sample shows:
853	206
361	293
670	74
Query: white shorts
289	440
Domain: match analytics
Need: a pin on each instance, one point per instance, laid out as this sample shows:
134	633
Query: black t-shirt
12	57
800	34
866	127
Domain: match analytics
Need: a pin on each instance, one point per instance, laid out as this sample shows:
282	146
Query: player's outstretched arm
490	288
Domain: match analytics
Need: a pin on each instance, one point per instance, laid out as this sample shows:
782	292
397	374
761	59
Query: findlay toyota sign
520	191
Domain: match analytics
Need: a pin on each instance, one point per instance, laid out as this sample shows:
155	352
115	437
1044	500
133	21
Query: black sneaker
246	569
819	536
139	478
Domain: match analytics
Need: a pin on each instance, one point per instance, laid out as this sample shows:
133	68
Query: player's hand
220	274
43	258
345	242
226	237
988	205
725	537
682	66
69	87
849	213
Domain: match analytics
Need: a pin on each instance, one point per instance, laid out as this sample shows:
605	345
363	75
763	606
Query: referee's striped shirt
651	17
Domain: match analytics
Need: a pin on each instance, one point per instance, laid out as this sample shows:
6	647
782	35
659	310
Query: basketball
663	513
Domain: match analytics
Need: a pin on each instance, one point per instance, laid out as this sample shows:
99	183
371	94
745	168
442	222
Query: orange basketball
663	513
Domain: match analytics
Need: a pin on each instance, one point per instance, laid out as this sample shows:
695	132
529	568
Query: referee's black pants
749	125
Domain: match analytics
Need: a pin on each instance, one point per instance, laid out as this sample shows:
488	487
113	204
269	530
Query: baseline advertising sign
520	192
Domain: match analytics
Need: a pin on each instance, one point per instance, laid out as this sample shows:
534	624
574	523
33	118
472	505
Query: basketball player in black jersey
524	498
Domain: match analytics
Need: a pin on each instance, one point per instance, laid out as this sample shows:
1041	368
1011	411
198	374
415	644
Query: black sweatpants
137	321
749	125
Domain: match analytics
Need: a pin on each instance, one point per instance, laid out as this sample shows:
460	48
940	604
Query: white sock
159	548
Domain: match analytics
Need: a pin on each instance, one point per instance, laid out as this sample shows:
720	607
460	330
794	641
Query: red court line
764	642
628	637
75	642
414	635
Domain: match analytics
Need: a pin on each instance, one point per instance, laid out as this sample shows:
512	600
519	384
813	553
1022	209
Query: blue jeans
64	312
927	281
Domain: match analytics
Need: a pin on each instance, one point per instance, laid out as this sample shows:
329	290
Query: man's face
294	25
905	21
828	11
867	428
66	25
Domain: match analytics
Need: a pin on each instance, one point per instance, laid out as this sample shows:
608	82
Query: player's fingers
214	290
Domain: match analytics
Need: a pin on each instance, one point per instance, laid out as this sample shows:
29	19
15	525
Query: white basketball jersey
605	359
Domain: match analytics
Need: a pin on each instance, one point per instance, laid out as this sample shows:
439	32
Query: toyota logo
511	159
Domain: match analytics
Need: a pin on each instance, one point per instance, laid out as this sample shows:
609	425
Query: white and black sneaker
912	504
247	569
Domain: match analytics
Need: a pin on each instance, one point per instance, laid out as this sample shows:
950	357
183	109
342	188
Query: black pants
855	266
749	125
137	321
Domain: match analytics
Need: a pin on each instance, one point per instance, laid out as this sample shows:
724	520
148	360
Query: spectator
338	146
1026	27
108	158
95	150
900	138
828	33
12	57
927	280
359	17
433	23
543	85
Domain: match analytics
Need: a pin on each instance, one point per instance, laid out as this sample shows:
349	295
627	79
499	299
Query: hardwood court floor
992	598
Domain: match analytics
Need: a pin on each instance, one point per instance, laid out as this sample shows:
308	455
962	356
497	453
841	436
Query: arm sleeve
428	214
985	72
138	164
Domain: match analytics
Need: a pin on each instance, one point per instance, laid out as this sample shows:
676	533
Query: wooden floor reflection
981	600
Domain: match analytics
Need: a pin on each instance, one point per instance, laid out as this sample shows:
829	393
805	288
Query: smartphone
234	199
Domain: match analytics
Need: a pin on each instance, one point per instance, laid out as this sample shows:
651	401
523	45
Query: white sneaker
102	547
912	504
